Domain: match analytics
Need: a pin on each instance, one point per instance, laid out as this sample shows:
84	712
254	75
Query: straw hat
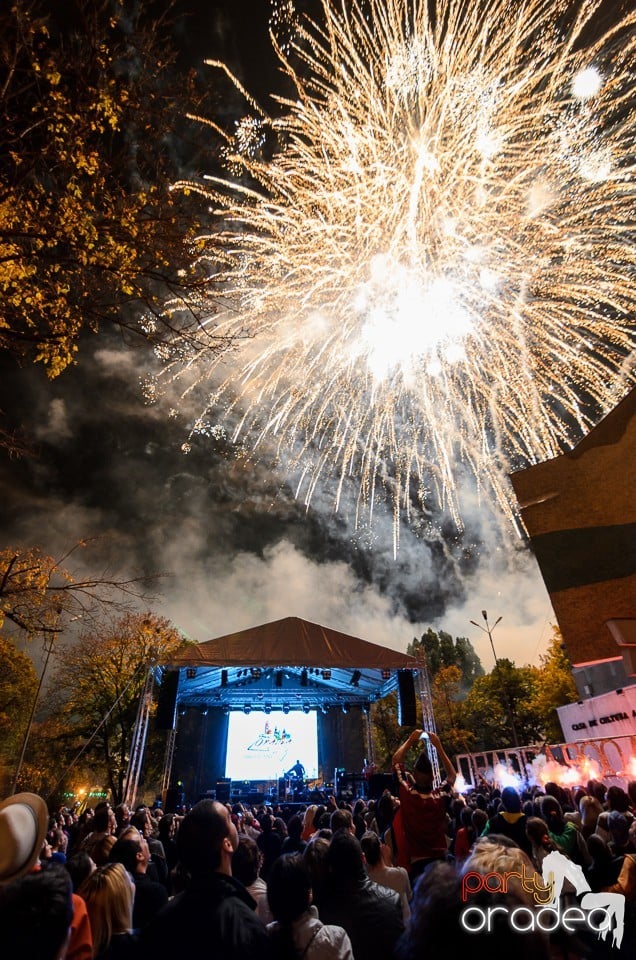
23	822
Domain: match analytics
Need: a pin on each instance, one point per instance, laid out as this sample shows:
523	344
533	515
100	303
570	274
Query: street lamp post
49	643
488	631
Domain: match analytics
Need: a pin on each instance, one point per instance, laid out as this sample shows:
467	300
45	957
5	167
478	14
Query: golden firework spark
435	268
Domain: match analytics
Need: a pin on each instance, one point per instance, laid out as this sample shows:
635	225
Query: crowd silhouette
420	868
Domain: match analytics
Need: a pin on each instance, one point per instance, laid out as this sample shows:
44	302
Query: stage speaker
167	701
223	790
407	715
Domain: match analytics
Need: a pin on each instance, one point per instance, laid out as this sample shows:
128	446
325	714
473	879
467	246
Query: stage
244	708
347	787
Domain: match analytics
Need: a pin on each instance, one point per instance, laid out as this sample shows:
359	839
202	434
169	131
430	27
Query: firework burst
434	267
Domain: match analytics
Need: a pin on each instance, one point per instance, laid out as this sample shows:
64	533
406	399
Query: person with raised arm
423	809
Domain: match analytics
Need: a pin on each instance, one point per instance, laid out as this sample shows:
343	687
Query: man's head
371	848
122	815
511	800
246	861
423	772
142	822
341	820
619	828
207	839
35	915
344	859
131	851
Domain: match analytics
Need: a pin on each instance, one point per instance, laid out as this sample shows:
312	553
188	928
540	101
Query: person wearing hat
24	820
37	903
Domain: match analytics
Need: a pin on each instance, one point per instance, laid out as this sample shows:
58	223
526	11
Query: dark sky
239	550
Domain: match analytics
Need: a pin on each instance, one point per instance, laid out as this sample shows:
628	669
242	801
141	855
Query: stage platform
346	786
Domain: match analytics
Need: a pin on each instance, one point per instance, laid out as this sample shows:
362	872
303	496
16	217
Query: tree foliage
532	693
496	701
41	595
18	683
90	109
446	696
474	711
555	688
98	683
441	650
385	730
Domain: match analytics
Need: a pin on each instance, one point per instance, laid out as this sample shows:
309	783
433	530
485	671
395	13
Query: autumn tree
385	731
41	594
440	650
556	687
503	699
98	683
447	702
91	109
18	683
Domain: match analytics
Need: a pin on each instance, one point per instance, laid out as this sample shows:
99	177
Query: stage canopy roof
287	664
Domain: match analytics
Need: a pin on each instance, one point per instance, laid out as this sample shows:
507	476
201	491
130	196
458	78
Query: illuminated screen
264	746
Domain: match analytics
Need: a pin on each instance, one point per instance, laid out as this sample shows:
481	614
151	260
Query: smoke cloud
235	547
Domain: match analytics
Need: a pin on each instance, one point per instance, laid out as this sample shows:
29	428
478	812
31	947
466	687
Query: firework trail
428	247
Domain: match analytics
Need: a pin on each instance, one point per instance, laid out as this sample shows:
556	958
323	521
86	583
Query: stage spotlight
303	678
224	678
386	674
326	674
204	712
323	708
191	673
247	708
355	678
365	709
268	708
279	678
256	673
285	708
305	708
345	708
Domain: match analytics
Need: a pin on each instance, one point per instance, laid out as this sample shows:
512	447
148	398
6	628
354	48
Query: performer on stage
297	771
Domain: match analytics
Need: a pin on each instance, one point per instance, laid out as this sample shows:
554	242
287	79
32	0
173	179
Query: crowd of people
385	879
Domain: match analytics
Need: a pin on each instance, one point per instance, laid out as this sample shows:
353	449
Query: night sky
234	545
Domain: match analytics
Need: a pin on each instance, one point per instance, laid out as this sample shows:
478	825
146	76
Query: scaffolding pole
428	717
138	745
369	732
167	763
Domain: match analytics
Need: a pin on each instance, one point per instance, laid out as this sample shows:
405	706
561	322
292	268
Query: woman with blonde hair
108	893
309	827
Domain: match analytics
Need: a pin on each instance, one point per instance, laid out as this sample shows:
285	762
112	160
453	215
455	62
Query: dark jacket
371	915
122	946
150	897
511	825
213	919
